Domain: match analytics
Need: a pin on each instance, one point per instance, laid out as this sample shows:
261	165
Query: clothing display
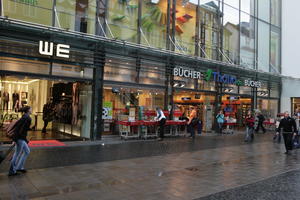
5	100
75	102
48	114
15	98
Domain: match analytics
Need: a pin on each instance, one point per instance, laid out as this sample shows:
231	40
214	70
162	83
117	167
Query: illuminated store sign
46	48
229	79
187	73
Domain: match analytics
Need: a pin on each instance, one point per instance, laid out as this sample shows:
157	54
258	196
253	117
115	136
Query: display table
229	127
126	128
269	125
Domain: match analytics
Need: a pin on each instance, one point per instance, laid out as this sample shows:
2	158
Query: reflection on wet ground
173	169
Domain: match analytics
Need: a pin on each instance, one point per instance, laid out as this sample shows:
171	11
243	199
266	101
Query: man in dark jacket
261	120
288	126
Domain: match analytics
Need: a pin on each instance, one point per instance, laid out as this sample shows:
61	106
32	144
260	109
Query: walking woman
249	121
220	121
162	121
22	150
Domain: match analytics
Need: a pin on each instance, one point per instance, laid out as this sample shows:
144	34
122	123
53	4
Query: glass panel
269	108
210	18
275	50
17	65
39	12
65	17
130	104
206	85
248	6
264	10
231	34
154	22
263	46
122	19
233	3
185	26
152	73
78	15
275	12
245	90
120	70
72	71
247	41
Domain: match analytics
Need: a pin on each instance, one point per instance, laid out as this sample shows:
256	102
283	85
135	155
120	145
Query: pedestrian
193	120
288	127
199	127
220	121
20	139
277	135
249	122
162	121
260	124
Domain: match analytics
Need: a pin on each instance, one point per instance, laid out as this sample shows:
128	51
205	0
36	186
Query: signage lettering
251	83
46	48
187	73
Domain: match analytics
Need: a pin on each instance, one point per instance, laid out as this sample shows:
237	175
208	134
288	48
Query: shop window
39	12
269	108
131	104
61	110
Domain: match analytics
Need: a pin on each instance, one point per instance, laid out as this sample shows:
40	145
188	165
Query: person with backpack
249	122
20	139
261	120
289	129
220	120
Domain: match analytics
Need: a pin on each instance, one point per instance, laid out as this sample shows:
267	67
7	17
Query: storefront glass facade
129	81
246	33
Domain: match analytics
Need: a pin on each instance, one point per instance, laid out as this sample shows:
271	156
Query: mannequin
48	114
16	99
5	99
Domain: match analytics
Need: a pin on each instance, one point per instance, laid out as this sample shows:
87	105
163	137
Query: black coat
21	128
287	124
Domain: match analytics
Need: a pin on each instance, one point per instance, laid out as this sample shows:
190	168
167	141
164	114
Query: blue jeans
220	125
249	134
21	153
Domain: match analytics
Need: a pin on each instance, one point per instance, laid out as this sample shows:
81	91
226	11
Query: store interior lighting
228	89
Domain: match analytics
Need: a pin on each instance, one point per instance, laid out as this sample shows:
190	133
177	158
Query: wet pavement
220	167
